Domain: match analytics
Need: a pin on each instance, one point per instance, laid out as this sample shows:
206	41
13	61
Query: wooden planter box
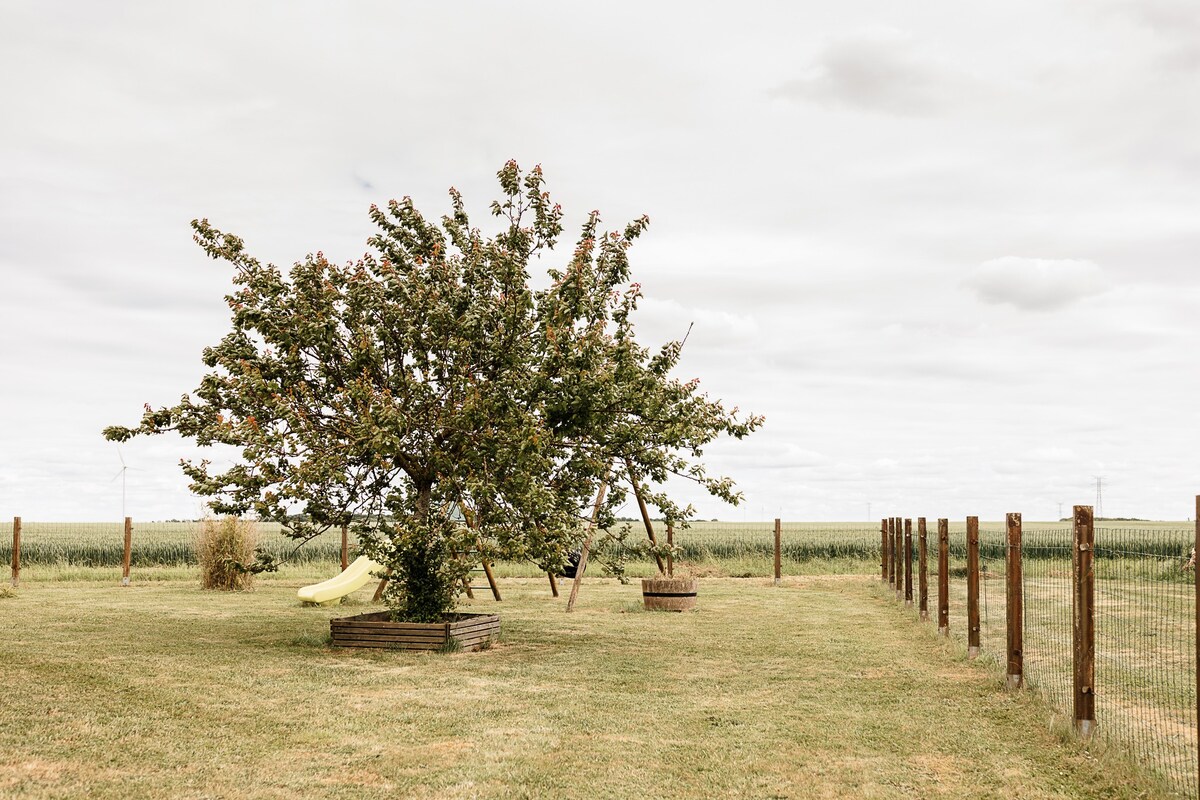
471	631
669	594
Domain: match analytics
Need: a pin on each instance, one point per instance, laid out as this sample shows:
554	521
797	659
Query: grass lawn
819	688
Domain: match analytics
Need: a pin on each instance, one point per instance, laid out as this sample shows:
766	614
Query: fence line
104	544
1101	620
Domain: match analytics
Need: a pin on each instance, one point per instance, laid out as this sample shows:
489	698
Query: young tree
430	378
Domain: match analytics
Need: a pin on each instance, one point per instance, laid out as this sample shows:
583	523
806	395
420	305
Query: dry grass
813	689
223	547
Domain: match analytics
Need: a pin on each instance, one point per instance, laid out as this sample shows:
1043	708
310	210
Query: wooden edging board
471	631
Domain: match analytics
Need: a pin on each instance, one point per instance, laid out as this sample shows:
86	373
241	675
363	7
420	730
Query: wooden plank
405	628
380	645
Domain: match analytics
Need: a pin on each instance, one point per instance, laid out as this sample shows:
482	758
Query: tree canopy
430	379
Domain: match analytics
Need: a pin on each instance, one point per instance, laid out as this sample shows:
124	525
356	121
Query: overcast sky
949	250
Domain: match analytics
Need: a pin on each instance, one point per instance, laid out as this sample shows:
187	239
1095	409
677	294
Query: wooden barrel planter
669	594
471	631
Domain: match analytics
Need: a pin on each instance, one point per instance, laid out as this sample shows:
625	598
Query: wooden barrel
669	594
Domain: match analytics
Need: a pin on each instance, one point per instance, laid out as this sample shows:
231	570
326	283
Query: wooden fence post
898	555
923	571
944	577
972	587
345	549
887	534
908	589
1083	627
883	549
16	554
128	551
778	551
1014	604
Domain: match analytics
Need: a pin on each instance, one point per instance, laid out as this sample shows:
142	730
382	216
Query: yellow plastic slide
337	587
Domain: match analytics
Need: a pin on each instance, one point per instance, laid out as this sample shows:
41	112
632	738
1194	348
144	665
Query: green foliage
223	548
428	377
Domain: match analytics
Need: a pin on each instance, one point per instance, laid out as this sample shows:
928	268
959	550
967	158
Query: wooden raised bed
669	594
471	631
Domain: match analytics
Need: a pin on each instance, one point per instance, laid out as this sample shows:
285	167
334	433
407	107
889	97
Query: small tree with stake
430	376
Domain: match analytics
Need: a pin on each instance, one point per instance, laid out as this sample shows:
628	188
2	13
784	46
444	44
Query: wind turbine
124	468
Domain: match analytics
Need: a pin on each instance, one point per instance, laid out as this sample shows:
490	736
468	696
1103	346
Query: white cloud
884	72
1036	284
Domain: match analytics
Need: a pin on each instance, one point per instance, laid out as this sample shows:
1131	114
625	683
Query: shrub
223	548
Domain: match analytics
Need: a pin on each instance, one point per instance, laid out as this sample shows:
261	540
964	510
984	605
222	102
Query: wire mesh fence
1145	632
1046	586
102	544
748	549
1145	649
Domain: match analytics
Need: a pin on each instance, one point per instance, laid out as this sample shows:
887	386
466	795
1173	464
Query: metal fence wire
1146	649
102	544
1145	632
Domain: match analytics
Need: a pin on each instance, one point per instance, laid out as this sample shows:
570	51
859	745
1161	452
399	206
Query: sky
948	250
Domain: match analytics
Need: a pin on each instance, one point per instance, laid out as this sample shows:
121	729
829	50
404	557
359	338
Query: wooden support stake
637	493
383	582
944	577
345	549
1196	578
128	551
908	587
883	551
972	587
1013	603
553	583
778	551
923	572
16	554
587	543
491	578
670	549
1083	626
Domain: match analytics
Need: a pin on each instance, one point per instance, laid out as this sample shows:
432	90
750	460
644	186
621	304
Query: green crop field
735	548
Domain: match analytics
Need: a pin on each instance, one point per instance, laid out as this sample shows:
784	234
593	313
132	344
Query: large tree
429	381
